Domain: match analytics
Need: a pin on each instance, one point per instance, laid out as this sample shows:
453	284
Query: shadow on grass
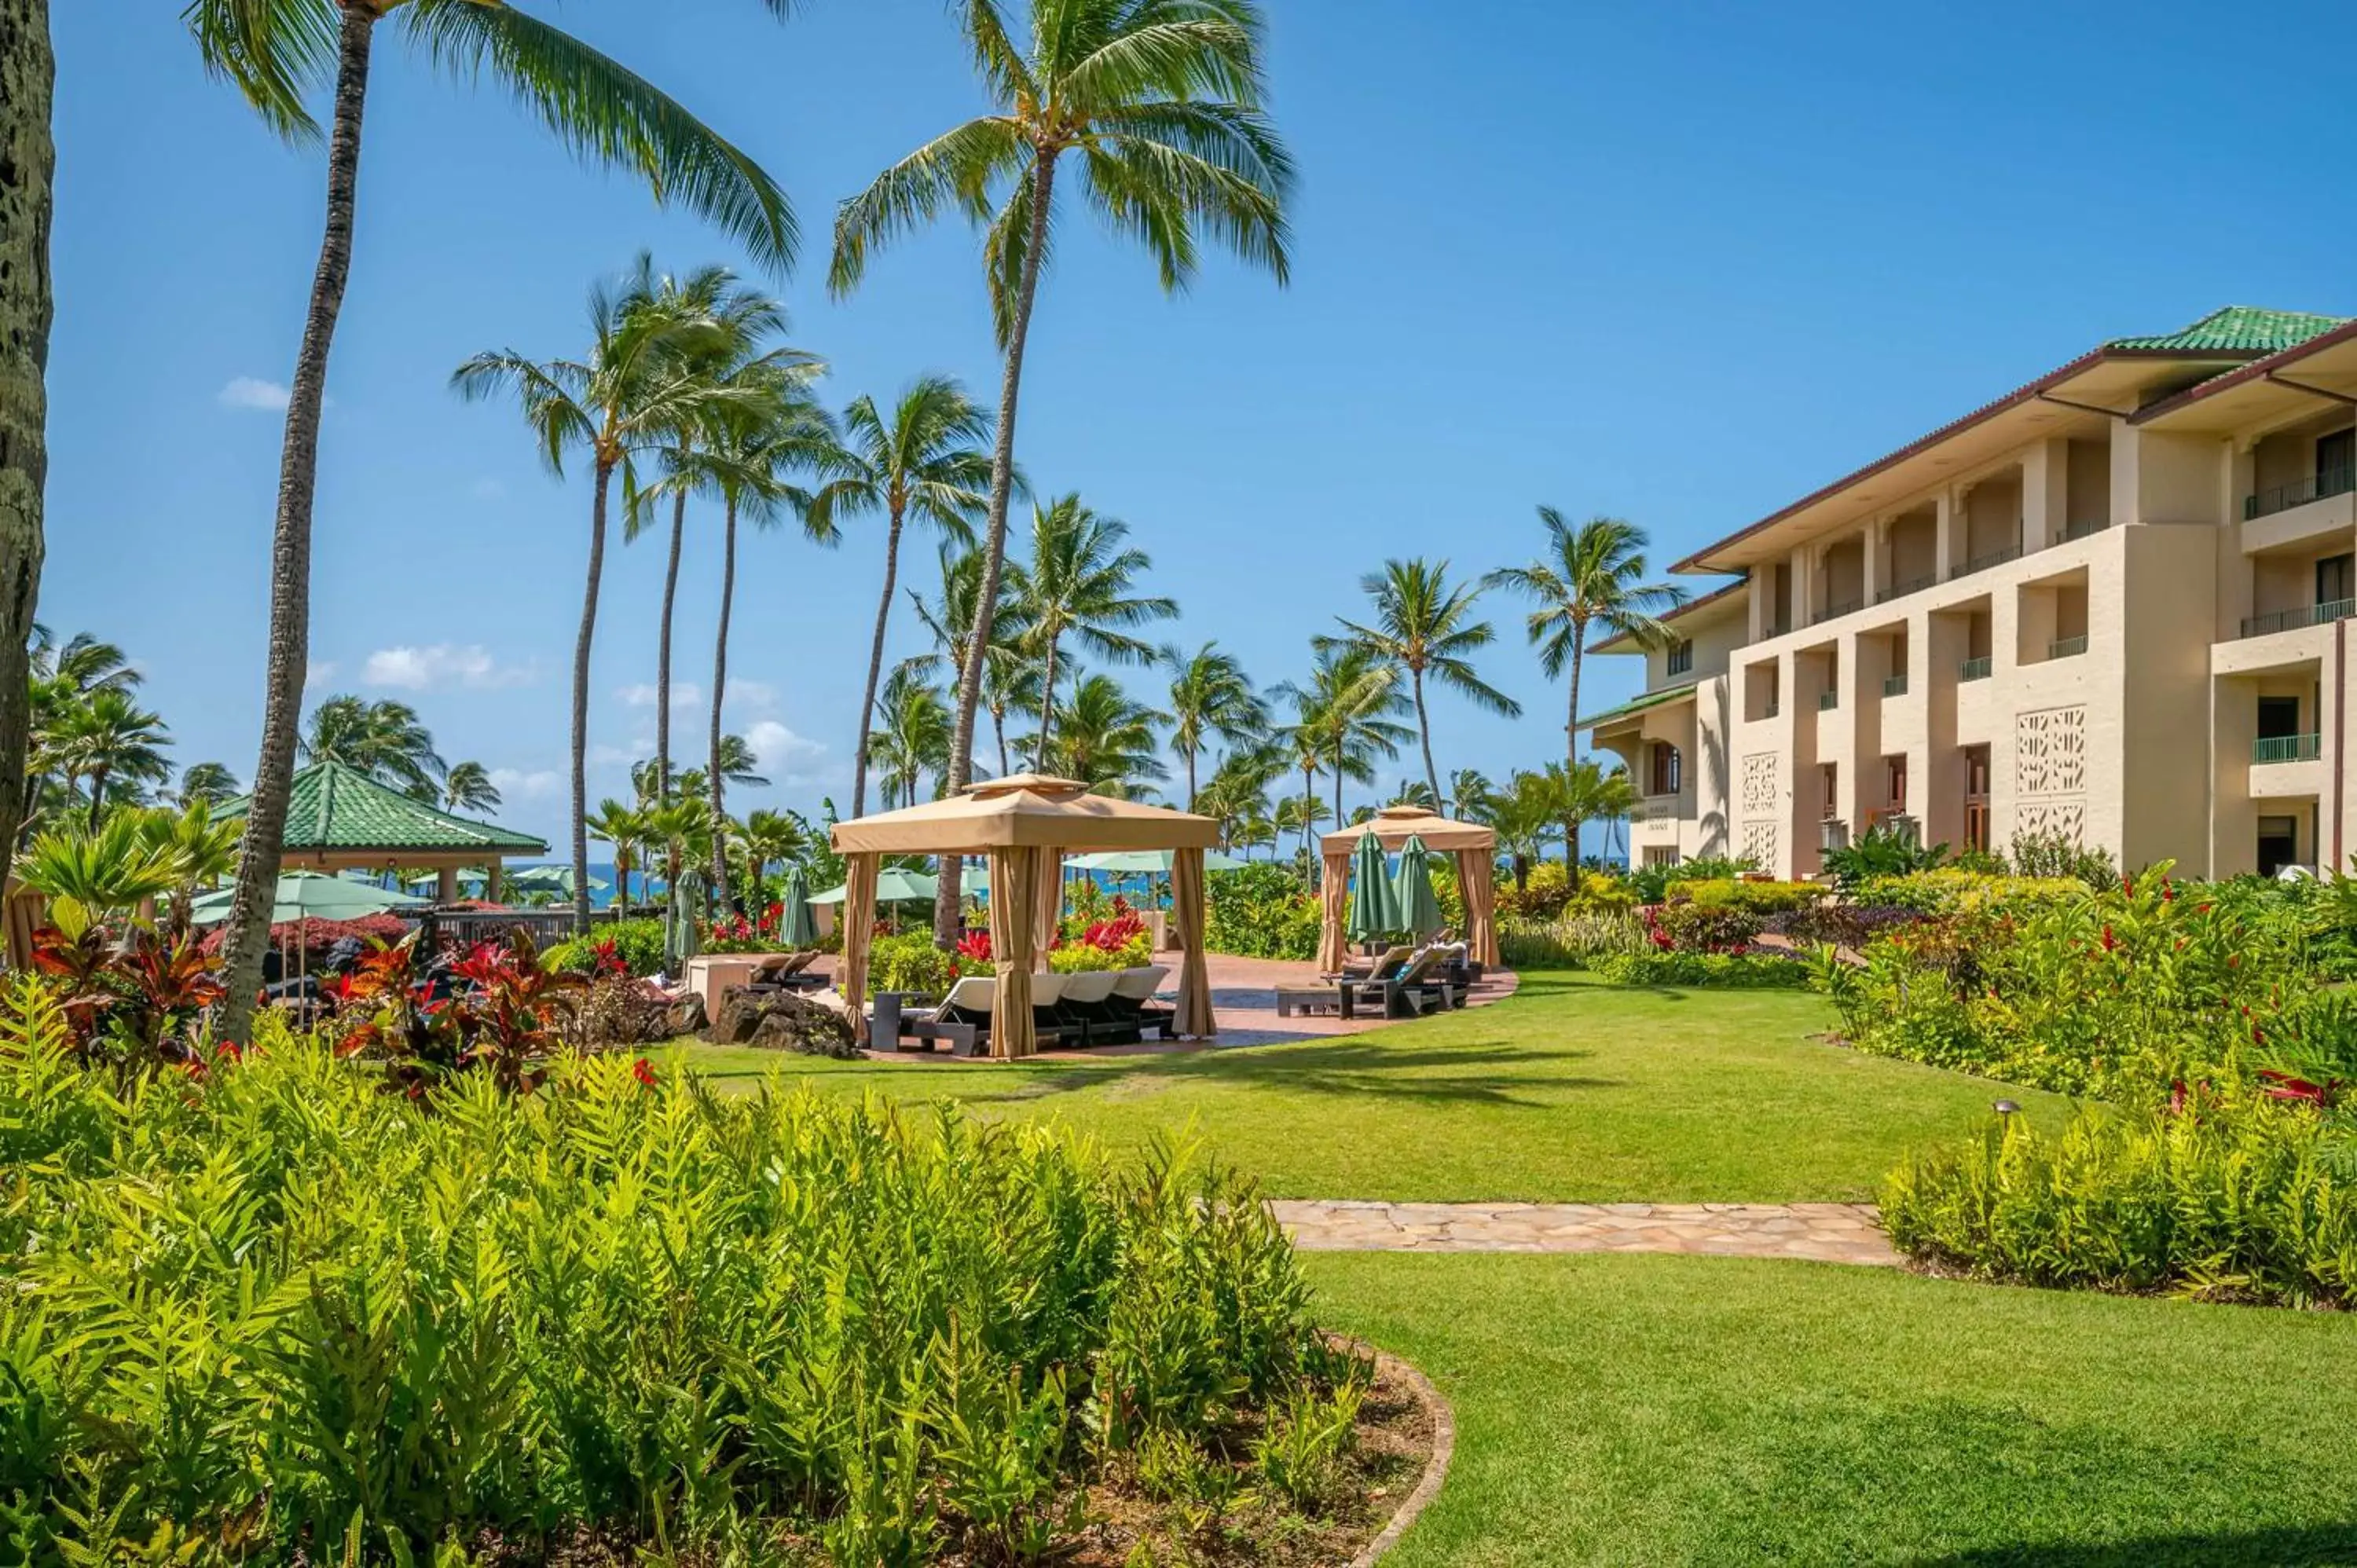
1353	1067
2320	1544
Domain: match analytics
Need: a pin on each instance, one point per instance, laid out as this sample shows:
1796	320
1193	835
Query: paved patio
1822	1232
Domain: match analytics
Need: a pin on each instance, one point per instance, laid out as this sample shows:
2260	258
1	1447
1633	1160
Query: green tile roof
1639	704
334	807
2237	329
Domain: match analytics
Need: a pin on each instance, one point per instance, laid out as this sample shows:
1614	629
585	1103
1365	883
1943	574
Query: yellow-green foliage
271	1310
1953	891
2236	1195
1753	898
1546	892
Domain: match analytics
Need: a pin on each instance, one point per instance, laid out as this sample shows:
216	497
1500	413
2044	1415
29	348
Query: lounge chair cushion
1139	984
974	994
1089	988
1048	988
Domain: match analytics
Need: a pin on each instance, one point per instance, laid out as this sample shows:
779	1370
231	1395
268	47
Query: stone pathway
1823	1233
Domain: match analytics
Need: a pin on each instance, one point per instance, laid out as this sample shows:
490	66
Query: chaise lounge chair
1133	1002
788	974
1415	991
963	1021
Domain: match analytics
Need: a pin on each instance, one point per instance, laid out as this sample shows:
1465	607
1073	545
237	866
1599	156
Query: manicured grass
1568	1092
1633	1409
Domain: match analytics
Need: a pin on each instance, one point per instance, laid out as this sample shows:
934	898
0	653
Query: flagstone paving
1822	1232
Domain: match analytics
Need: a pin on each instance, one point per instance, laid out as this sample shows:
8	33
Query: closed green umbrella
1375	910
797	927
1419	907
680	938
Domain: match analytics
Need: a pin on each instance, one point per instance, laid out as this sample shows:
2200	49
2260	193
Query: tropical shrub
2233	1195
1120	941
1260	912
1839	925
757	933
1736	971
1574	940
1954	890
1700	928
2057	855
911	962
133	999
276	1315
1754	897
1880	850
639	944
1652	883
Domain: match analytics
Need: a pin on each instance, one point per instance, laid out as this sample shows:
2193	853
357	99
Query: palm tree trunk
290	547
662	652
998	733
720	690
581	645
1190	780
1424	732
875	662
97	795
27	161
1571	719
1047	707
994	557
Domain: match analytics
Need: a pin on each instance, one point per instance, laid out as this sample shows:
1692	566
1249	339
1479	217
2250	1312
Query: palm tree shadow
1355	1066
2285	1548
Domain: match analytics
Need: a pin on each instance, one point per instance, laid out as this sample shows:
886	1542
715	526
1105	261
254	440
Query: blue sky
1680	263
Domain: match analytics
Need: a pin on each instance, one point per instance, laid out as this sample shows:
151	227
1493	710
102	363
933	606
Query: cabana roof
1023	811
337	816
1395	826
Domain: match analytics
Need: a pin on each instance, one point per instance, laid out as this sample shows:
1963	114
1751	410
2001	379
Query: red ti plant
975	947
508	1023
141	996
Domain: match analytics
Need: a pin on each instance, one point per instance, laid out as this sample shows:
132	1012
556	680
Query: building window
1666	772
1661	854
2334	455
1829	786
1682	656
1976	802
2336	579
1894	780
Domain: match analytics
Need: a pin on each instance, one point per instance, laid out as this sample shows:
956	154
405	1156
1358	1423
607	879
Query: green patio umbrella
309	895
1374	908
680	938
796	928
894	885
1419	909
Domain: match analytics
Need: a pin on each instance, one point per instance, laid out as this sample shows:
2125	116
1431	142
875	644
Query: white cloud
318	674
443	664
515	784
753	693
684	694
252	391
784	753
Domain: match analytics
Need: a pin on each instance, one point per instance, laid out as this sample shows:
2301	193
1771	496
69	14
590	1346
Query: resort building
2113	605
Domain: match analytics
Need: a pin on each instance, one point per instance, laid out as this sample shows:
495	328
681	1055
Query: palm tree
1209	695
467	786
1236	794
1425	627
113	743
752	445
928	460
1012	681
202	852
1346	717
1523	817
1301	814
1589	575
771	838
1161	100
278	55
1584	793
1415	792
729	350
385	740
736	762
28	77
635	386
683	829
912	734
1107	741
1078	584
625	828
85	663
206	782
1471	795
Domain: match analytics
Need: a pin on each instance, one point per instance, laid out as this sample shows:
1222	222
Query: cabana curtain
1025	825
1475	847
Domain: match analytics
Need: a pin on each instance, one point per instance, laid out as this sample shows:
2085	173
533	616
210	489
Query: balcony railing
1911	586
1828	700
2067	647
2287	748
2084	530
1894	685
2324	613
1997	557
1837	610
1975	668
2299	492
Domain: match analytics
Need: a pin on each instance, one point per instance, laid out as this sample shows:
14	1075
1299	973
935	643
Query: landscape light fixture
2006	1108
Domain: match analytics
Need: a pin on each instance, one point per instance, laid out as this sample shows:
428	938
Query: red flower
2177	1097
229	1052
643	1073
2284	1086
2109	942
975	947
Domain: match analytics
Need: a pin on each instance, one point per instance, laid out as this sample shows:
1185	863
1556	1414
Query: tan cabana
1475	847
1025	825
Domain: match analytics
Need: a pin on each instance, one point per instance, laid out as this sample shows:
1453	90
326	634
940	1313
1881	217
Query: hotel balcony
2322	485
2323	614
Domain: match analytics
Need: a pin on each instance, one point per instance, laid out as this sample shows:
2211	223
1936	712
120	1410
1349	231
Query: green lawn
1568	1092
1659	1410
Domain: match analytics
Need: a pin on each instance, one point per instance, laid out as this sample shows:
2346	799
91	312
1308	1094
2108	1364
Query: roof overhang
1640	705
2106	383
2300	381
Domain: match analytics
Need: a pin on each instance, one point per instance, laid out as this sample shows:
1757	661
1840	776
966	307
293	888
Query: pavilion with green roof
338	819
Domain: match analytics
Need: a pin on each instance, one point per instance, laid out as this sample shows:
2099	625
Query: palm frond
273	51
958	166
